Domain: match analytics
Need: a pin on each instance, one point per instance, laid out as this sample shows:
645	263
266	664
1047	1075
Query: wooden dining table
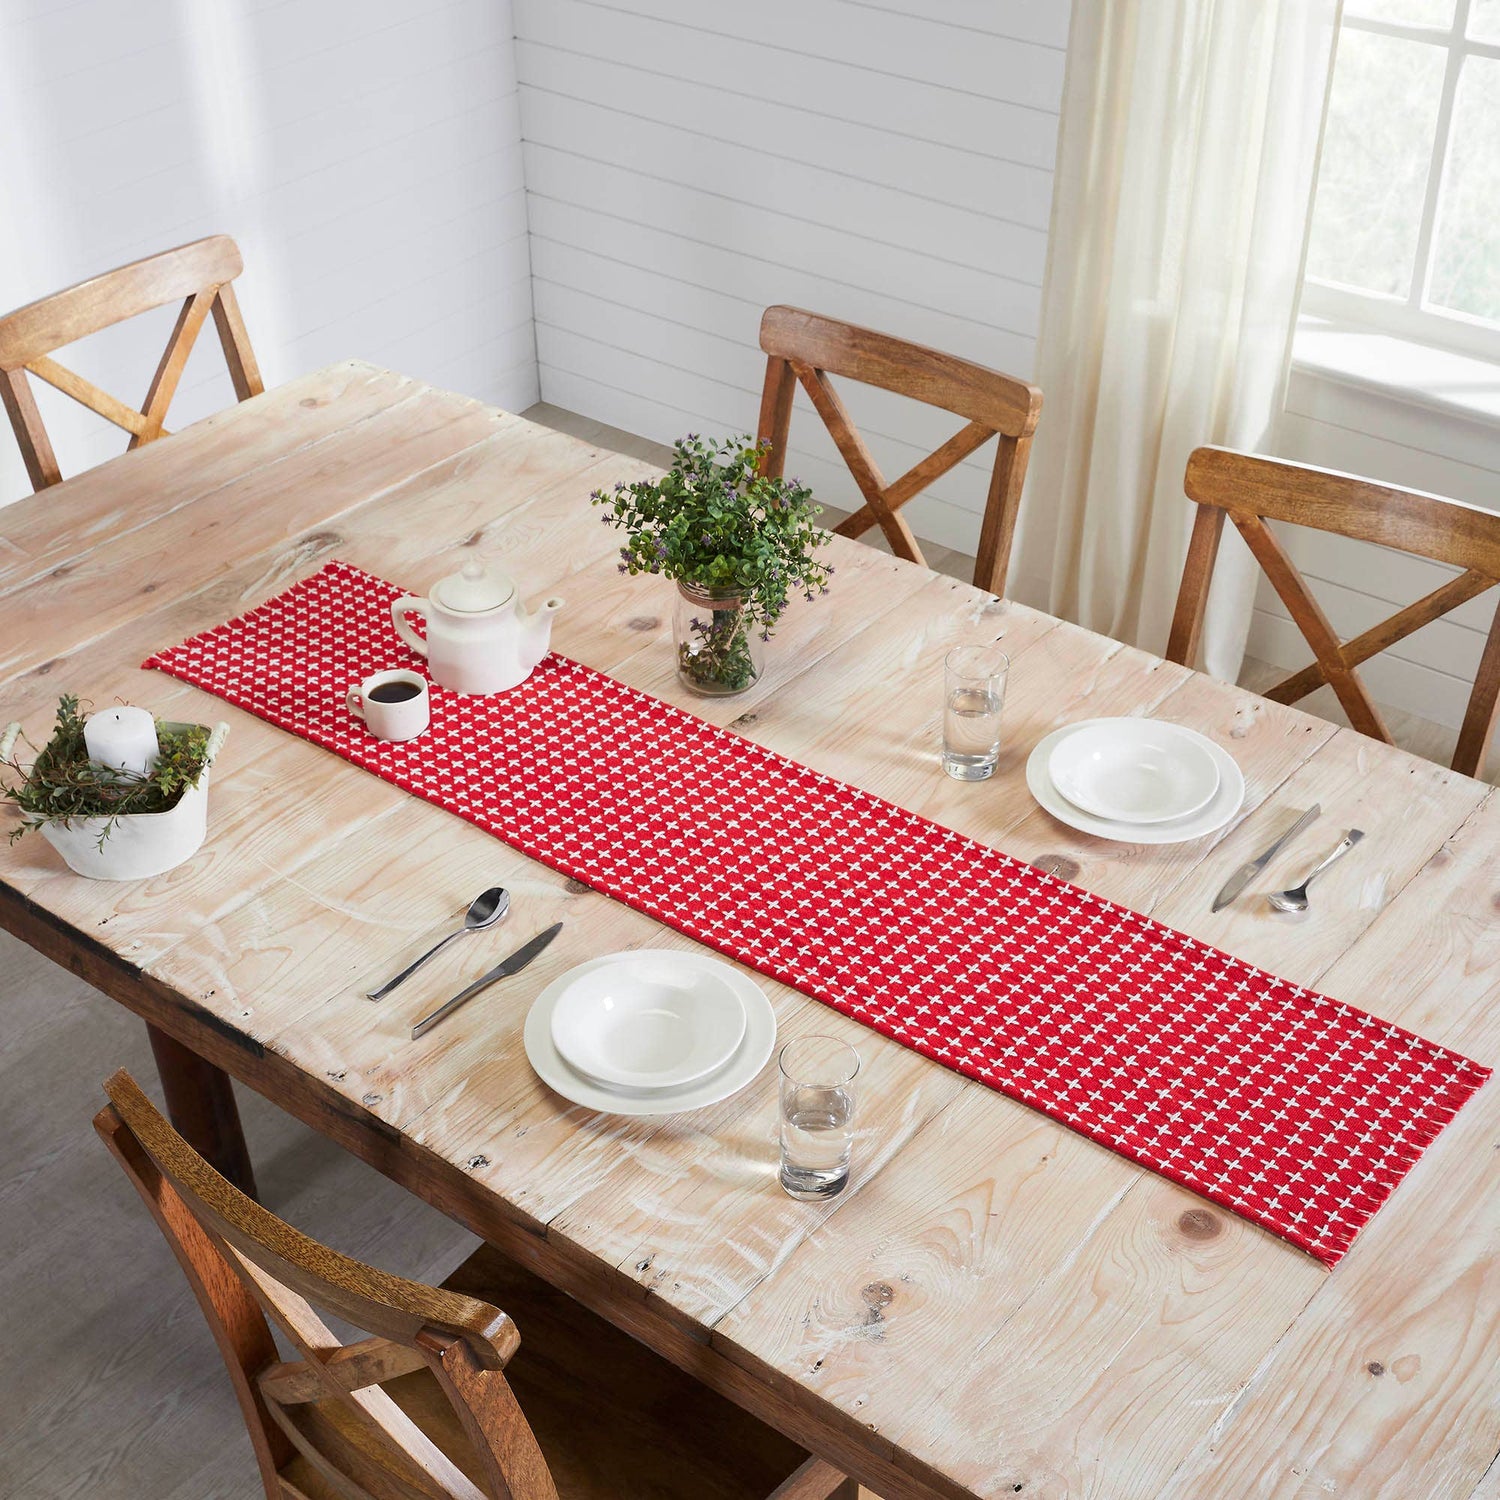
995	1305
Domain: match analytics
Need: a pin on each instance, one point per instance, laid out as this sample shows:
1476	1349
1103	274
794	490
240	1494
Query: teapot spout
536	626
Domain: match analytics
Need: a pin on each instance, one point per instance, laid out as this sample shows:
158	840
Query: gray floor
110	1386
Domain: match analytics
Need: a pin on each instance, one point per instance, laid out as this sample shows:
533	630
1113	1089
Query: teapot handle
400	608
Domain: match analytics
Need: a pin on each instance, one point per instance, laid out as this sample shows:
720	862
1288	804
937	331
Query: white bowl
743	1068
1221	810
1135	770
648	1022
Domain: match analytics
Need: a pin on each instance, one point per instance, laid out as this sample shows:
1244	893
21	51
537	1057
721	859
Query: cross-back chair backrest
1251	490
199	273
806	348
250	1269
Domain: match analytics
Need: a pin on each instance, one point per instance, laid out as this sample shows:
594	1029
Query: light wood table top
995	1306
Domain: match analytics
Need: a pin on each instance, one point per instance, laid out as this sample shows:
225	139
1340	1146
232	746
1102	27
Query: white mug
388	716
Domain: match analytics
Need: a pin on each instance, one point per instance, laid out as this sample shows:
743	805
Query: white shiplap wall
366	157
689	162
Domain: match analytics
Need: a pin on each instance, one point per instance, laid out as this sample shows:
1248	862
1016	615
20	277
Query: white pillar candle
122	739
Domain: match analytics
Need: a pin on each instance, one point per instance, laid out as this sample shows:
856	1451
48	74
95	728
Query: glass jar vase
719	649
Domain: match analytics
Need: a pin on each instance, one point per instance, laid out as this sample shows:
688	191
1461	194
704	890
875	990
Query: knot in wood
1199	1224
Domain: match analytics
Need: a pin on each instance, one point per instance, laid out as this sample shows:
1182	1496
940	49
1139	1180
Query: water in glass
817	1115
974	694
816	1147
971	733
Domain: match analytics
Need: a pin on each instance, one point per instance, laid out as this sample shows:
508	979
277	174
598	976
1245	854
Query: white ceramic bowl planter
139	844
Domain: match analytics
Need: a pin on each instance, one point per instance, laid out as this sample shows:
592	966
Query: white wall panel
689	162
366	157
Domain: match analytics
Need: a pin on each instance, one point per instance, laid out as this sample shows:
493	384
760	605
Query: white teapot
480	637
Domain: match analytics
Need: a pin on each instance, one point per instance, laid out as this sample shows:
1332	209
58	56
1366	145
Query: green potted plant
736	543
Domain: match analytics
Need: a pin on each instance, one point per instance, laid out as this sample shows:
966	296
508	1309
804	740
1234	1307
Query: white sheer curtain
1184	178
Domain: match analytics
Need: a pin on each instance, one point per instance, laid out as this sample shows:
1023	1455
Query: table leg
200	1104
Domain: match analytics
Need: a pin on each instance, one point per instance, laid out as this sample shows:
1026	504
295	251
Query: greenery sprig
713	521
63	784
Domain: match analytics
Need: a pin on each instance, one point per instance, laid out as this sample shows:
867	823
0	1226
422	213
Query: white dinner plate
750	1057
1135	770
1224	804
649	1020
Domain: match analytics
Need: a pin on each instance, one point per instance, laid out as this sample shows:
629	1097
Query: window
1405	235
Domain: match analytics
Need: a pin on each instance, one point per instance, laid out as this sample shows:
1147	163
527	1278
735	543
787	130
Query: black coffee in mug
393	692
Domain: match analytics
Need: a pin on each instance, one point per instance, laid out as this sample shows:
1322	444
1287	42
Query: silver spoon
1296	898
484	911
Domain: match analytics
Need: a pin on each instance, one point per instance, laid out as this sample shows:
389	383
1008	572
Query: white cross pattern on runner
1293	1110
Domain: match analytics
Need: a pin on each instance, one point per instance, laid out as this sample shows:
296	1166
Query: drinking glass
817	1115
973	694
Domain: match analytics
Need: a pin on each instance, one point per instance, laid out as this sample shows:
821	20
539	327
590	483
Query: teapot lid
474	589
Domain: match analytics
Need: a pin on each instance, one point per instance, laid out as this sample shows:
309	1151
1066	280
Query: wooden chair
1251	490
802	346
431	1407
200	273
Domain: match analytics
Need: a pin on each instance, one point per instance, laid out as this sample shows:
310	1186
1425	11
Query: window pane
1376	153
1484	20
1413	12
1466	245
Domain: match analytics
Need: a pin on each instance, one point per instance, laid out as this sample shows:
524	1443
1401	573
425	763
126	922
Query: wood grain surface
995	1306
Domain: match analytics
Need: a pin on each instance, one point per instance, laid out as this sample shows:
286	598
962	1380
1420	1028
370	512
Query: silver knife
1246	873
502	970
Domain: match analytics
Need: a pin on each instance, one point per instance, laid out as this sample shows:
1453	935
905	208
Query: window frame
1411	317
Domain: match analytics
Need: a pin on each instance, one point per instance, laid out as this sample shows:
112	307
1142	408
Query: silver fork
1296	898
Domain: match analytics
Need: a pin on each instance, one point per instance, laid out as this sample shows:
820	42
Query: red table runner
1293	1110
